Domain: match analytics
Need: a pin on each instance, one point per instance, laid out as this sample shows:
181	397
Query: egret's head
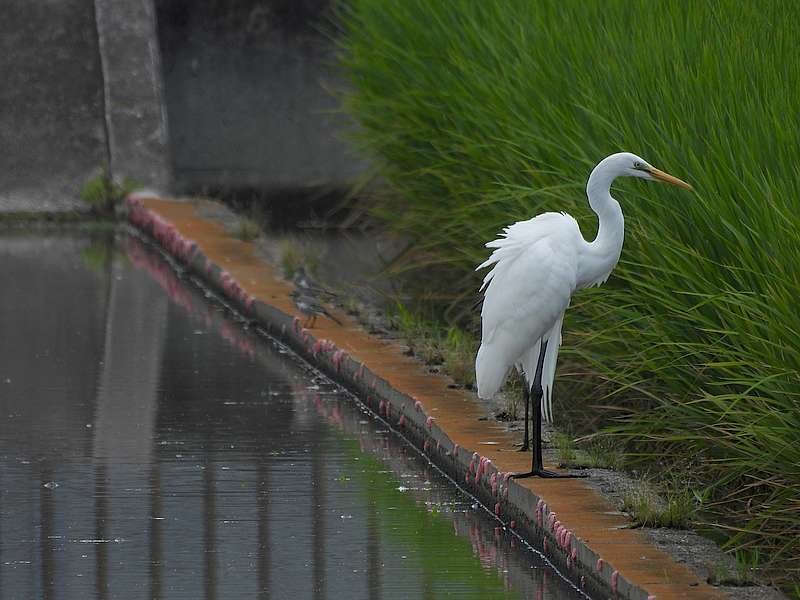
627	164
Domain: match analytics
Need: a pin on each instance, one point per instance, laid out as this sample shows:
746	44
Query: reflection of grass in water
100	250
444	560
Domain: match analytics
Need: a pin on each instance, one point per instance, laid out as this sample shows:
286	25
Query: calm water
151	447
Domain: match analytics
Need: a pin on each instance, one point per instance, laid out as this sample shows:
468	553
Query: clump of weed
295	254
458	351
102	193
512	398
742	571
676	508
248	230
565	449
424	338
601	454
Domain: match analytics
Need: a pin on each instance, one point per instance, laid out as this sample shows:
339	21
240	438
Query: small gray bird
307	286
311	308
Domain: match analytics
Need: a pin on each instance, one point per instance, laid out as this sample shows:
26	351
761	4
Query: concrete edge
516	507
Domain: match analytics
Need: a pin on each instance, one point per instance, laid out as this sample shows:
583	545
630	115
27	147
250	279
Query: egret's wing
526	293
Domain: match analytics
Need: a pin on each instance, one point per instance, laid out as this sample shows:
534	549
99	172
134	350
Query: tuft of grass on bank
674	509
435	344
479	114
248	230
295	254
102	193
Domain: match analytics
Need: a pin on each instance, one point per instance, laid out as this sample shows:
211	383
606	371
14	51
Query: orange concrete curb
579	530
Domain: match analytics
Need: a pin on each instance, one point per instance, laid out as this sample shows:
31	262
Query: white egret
537	265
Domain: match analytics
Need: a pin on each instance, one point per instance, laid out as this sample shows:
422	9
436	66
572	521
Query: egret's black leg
537	469
526	398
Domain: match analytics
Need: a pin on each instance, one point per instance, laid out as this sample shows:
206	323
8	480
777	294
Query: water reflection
153	448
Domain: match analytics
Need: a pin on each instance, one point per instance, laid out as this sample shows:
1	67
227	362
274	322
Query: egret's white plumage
537	265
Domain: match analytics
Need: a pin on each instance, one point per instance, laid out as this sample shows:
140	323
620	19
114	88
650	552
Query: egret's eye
638	165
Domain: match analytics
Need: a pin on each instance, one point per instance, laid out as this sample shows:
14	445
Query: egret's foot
544	474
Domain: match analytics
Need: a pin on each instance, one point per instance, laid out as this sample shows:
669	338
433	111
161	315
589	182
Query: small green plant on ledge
676	509
295	254
102	193
742	571
248	230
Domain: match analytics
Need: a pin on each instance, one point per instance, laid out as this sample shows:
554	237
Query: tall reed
482	113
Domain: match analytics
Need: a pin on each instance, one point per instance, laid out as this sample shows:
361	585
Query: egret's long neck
603	253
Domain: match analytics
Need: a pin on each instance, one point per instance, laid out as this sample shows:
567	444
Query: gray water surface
152	447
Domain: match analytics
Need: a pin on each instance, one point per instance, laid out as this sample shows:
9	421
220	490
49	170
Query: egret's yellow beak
667	178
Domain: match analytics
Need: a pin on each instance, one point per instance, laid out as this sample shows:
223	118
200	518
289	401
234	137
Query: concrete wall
248	90
245	84
52	132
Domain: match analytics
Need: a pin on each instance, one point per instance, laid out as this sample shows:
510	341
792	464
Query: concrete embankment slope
579	530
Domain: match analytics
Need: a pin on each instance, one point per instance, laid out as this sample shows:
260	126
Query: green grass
248	230
482	113
675	509
295	254
435	344
102	193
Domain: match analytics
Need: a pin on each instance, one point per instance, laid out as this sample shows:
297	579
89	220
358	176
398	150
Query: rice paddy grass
478	114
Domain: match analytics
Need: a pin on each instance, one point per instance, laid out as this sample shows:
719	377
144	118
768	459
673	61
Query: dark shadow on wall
248	92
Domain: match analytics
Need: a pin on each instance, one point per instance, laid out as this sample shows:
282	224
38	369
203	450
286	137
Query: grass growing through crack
483	113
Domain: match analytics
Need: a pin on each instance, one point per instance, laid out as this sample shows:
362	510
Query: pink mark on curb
614	577
337	359
574	554
401	422
545	545
425	446
513	524
418	406
567	539
360	372
304	332
429	422
551	518
599	566
497	509
455	449
296	324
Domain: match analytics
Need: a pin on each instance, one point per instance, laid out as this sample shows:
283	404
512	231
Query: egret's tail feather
490	373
